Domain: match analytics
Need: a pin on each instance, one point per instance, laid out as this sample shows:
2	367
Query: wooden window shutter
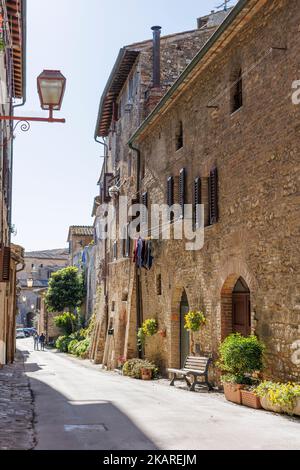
127	244
115	111
213	196
115	248
170	191
107	183
145	206
196	201
182	189
4	264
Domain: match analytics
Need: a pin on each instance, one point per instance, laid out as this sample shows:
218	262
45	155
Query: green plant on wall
148	328
194	320
2	45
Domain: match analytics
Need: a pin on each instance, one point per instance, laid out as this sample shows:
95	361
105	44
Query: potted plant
140	369
146	373
240	357
279	397
121	362
194	320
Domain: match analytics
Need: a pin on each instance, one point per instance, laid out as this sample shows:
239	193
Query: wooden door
184	334
241	320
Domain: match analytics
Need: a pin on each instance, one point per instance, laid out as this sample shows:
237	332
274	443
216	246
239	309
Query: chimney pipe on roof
156	55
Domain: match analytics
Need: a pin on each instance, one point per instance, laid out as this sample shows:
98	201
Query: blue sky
56	166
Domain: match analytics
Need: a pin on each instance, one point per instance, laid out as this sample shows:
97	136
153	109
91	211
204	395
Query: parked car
20	333
29	331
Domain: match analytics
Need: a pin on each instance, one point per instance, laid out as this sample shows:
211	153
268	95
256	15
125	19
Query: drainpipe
156	56
139	302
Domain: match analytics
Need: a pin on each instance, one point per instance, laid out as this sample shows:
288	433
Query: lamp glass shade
29	283
51	88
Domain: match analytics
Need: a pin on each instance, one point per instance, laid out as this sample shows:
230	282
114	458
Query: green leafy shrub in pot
240	356
62	343
66	321
133	368
282	395
82	348
194	320
72	345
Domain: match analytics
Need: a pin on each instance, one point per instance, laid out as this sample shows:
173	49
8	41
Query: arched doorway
241	317
29	320
235	307
184	334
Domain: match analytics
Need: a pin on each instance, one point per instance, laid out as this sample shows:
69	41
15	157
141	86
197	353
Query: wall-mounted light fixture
51	86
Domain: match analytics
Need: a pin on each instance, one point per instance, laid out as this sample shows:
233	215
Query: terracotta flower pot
233	392
146	374
251	400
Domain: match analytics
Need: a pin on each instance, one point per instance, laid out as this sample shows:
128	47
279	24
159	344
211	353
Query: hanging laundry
148	258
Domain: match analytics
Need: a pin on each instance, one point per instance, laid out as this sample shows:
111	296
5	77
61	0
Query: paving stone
16	408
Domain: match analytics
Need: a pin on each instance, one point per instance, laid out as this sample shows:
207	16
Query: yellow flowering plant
194	320
282	394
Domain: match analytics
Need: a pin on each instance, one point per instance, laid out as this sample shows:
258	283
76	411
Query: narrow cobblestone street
16	408
78	406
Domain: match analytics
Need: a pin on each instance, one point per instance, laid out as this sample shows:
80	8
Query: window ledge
236	111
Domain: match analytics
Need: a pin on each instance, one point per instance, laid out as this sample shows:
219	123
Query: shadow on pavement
63	424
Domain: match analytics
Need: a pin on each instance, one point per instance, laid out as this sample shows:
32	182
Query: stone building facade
142	74
238	155
12	92
33	285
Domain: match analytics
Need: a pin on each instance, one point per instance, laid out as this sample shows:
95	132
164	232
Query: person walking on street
36	341
42	341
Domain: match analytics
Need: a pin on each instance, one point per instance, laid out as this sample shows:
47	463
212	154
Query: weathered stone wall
256	152
176	52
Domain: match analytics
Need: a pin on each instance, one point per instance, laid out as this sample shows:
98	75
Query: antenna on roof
224	5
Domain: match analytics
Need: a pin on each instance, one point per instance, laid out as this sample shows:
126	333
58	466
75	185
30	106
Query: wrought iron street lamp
51	89
51	86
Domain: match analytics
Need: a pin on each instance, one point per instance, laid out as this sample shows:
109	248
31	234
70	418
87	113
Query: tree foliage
66	290
66	321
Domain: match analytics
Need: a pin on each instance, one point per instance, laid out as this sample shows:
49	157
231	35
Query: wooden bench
194	366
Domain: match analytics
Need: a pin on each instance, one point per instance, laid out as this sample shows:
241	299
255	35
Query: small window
179	136
237	92
113	306
158	285
129	164
115	253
